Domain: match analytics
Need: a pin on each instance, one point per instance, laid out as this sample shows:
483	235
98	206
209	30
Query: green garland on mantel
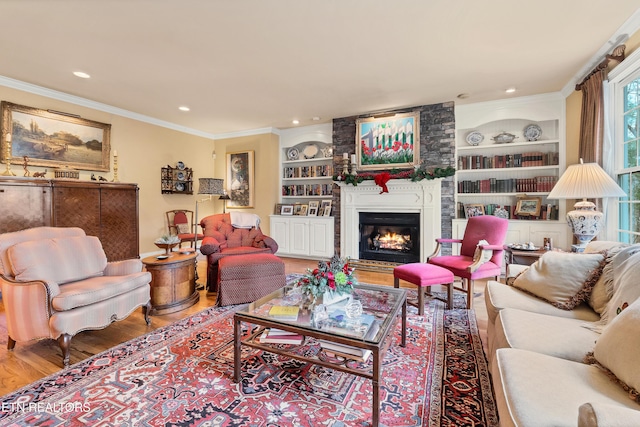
412	174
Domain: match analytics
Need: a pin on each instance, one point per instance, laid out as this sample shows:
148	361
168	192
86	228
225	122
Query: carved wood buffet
108	211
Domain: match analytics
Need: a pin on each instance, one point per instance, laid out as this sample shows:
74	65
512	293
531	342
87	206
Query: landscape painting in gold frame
529	206
54	139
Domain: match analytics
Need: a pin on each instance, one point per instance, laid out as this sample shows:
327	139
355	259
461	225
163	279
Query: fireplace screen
393	237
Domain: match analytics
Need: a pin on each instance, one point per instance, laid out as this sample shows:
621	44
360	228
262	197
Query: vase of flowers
333	280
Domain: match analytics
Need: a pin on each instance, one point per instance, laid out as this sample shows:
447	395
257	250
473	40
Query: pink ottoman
246	278
423	275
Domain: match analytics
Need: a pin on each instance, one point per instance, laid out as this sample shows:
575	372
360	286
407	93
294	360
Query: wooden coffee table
173	282
382	302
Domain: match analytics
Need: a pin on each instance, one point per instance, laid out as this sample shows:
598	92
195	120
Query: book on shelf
347	351
278	336
284	312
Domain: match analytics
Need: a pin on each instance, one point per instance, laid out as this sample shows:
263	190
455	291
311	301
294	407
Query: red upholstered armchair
471	265
222	239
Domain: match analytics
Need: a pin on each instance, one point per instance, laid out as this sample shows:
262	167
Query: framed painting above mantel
391	142
54	139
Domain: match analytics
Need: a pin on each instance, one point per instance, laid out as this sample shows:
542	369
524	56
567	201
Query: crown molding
83	102
631	26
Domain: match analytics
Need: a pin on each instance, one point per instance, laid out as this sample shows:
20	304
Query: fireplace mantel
423	197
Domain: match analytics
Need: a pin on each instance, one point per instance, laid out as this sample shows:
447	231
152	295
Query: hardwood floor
31	361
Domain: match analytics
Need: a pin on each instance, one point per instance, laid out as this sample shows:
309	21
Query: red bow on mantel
381	180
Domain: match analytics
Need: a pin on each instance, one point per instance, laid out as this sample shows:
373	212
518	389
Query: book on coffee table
278	336
284	312
346	350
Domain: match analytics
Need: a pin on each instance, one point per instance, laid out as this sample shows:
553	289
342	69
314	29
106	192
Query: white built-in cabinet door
307	237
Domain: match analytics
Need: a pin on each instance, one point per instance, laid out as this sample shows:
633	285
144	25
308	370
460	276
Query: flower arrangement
168	239
334	275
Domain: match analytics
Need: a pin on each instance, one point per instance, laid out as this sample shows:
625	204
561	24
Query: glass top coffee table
369	332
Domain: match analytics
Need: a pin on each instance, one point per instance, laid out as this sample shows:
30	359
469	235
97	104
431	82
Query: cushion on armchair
48	259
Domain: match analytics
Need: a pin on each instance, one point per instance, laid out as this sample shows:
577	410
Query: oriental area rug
182	375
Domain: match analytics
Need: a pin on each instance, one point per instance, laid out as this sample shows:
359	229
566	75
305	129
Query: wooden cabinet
108	211
24	204
303	236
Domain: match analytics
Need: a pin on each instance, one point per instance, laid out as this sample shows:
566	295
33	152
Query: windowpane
624	181
631	95
631	125
631	154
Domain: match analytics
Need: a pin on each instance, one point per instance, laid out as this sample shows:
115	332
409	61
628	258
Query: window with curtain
626	110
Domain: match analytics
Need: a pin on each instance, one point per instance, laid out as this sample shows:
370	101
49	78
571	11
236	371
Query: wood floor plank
32	361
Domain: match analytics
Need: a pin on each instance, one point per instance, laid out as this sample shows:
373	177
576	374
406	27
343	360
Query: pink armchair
222	239
488	260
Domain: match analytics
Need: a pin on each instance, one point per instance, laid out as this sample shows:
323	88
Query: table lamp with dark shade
585	181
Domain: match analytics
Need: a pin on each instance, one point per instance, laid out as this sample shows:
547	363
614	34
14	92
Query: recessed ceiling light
184	108
81	74
462	96
315	119
295	122
511	90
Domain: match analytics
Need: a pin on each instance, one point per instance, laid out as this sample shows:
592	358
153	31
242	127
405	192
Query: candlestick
345	156
115	166
353	158
7	159
345	165
353	167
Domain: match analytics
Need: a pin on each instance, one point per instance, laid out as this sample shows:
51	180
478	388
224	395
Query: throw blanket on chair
244	220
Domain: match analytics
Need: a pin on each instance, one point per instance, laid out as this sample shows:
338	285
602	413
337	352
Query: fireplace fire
392	237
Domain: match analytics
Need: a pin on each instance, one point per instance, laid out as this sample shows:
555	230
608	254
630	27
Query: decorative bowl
167	246
504	138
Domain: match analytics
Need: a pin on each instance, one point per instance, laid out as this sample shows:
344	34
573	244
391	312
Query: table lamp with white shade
585	181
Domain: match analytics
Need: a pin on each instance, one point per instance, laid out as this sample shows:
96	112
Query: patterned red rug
181	375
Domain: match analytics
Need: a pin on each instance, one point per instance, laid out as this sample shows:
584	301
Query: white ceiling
251	64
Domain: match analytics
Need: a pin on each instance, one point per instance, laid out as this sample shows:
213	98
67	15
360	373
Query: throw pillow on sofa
563	279
626	271
603	289
618	347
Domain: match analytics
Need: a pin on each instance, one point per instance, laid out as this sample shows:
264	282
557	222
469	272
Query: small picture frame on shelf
528	206
314	204
324	204
301	210
312	211
278	209
327	211
286	210
471	210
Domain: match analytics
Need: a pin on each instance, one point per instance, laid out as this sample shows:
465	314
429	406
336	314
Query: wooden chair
180	222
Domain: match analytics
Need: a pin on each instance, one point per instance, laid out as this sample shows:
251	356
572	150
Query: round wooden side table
173	282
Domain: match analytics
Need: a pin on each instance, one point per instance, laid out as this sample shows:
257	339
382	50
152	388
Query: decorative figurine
24	165
93	177
40	174
102	178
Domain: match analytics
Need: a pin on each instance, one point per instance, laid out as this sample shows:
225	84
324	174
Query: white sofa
539	352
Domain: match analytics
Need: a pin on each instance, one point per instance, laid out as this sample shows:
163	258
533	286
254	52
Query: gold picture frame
388	142
471	210
54	139
529	206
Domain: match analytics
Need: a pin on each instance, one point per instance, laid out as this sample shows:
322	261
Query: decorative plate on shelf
474	138
181	176
179	186
310	151
293	153
180	165
532	132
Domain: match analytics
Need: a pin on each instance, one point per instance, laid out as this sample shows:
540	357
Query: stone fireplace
422	198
